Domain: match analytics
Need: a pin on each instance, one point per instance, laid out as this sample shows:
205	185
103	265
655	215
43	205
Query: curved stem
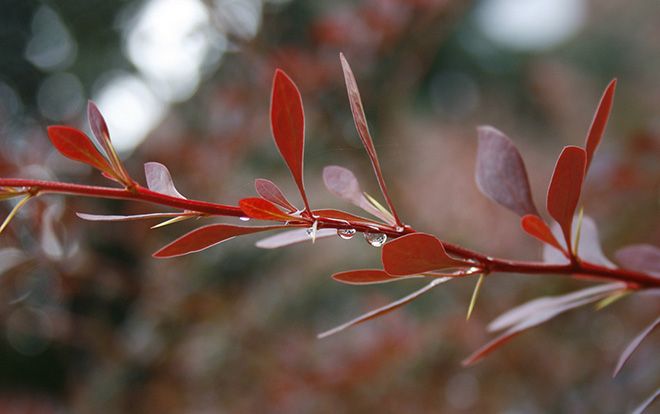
635	280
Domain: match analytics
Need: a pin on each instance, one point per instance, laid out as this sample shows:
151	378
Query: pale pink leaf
112	217
632	346
521	312
535	318
342	182
640	257
289	237
159	179
588	250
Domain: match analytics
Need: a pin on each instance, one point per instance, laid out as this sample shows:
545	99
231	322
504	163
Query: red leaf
599	122
565	187
416	253
363	130
501	174
364	277
258	208
640	257
75	145
632	346
536	227
271	192
384	309
205	237
287	122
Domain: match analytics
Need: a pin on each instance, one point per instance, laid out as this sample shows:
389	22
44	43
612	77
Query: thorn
14	211
475	295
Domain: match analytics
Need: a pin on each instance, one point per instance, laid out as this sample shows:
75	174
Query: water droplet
399	229
375	239
346	234
244	218
310	231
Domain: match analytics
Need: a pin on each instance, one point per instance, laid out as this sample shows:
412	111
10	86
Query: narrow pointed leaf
342	182
290	237
159	179
112	217
364	277
536	227
271	192
641	409
565	187
363	130
599	121
501	174
529	322
343	216
75	145
640	257
540	305
632	346
287	122
589	248
205	237
258	208
416	253
385	309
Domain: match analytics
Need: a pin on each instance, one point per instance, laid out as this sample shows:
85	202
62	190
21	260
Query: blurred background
92	323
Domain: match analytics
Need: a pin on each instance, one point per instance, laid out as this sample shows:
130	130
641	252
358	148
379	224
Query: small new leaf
536	227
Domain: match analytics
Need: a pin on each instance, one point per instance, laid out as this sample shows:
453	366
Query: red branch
634	280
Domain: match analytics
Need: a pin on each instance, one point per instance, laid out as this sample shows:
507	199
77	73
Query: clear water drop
399	229
244	218
346	234
375	239
310	231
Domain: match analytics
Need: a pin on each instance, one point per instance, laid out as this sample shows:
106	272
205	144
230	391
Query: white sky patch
171	43
528	25
131	110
